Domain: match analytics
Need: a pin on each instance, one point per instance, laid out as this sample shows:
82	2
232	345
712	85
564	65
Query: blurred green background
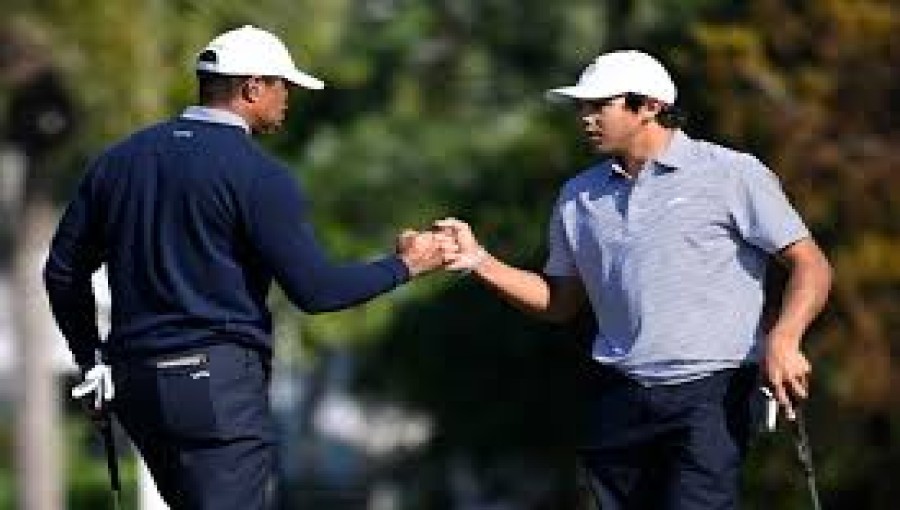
436	108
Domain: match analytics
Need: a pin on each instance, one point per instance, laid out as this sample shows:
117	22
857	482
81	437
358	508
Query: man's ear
651	109
250	90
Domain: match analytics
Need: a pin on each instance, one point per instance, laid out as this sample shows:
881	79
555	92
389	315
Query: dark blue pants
673	447
201	421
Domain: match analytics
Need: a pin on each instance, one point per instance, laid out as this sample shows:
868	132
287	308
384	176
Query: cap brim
307	81
573	92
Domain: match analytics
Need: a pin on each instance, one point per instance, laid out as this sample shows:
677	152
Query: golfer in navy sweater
194	222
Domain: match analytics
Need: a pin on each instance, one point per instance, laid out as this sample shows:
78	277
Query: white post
40	486
148	496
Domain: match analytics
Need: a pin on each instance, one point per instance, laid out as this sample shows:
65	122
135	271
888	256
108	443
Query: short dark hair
212	87
670	116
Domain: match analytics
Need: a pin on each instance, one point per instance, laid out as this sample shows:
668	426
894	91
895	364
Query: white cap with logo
621	72
249	51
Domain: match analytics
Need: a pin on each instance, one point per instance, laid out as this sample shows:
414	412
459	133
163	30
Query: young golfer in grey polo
668	239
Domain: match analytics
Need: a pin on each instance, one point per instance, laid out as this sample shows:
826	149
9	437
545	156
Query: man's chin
267	129
599	148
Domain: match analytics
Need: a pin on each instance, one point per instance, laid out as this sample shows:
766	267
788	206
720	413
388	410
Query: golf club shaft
804	455
112	461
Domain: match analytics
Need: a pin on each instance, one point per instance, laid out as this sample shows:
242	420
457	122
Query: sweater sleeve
75	254
284	239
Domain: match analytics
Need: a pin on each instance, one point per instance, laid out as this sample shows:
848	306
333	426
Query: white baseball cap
250	51
621	72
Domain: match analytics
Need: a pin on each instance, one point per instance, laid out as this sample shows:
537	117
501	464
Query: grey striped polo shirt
673	261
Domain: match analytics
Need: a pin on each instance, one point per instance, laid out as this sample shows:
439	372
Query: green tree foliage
436	108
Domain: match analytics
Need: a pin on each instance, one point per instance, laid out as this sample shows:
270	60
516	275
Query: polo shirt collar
215	116
615	168
679	152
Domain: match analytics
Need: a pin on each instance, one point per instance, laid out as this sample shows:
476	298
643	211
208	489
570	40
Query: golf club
801	441
804	455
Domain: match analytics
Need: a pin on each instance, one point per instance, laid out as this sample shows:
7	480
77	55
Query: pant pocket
186	402
745	405
241	391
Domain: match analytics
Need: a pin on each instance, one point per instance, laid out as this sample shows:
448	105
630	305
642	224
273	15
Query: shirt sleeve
76	252
560	261
760	210
285	240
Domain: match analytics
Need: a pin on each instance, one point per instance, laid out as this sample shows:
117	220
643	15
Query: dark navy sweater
193	222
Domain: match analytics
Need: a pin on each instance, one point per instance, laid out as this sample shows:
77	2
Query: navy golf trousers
670	447
201	420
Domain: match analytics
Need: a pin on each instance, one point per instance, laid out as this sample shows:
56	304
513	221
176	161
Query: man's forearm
525	290
530	292
75	311
804	297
